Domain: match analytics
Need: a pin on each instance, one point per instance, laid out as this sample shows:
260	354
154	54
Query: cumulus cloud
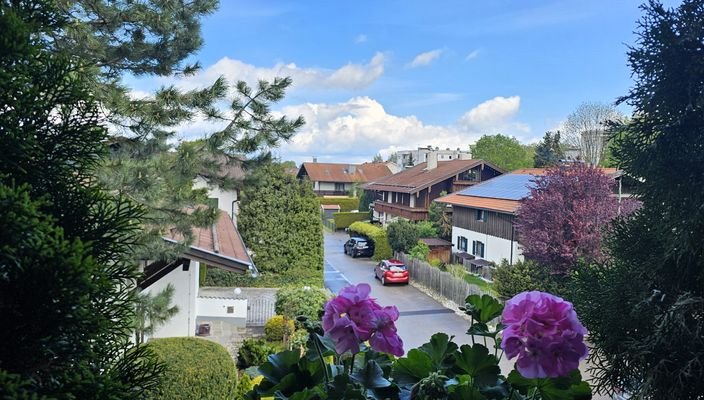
361	127
424	59
474	54
350	76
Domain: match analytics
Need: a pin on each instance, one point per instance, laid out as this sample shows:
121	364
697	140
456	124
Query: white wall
226	198
185	285
495	248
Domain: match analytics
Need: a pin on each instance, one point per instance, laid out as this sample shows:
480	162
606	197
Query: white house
222	198
219	246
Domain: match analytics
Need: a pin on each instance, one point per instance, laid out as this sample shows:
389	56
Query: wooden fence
440	282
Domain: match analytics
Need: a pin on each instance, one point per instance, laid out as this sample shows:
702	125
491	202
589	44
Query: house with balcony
409	193
333	179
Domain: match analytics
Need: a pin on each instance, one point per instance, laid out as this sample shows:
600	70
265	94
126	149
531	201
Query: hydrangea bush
356	353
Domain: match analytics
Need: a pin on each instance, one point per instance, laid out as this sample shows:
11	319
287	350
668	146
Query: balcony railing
331	192
400	210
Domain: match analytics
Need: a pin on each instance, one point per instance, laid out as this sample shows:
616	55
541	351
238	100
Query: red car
391	271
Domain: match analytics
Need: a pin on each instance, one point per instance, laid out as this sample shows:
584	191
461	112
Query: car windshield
397	268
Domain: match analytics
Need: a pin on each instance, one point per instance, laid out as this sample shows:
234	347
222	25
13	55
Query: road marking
427	312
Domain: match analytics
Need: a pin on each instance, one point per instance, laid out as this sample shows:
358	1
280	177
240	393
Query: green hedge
195	369
346	204
293	302
290	278
345	219
382	249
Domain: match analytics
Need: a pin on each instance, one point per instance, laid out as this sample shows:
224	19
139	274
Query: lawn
481	283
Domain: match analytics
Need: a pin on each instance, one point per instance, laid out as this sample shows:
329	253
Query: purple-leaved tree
563	219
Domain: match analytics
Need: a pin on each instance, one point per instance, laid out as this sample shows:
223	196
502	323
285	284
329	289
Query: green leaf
412	368
371	376
570	387
441	350
343	388
477	362
465	392
484	308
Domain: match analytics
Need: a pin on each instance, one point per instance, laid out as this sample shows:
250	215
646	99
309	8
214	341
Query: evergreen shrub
382	249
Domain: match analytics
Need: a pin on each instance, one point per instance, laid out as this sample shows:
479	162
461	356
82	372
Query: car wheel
344	250
383	281
354	255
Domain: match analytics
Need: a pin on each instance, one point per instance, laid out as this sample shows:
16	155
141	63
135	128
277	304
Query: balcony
399	210
331	192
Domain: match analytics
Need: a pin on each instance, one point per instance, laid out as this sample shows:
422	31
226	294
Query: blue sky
373	77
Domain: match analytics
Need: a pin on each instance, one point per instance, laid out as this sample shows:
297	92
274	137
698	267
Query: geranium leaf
465	392
440	348
483	309
412	368
371	376
477	362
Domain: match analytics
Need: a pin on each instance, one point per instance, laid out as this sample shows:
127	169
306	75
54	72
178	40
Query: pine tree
645	310
66	289
548	152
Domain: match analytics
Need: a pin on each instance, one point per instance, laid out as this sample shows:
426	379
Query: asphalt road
420	315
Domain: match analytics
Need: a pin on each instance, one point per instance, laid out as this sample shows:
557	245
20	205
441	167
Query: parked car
359	246
392	271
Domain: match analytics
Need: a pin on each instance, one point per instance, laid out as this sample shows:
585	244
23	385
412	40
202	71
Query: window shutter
474	247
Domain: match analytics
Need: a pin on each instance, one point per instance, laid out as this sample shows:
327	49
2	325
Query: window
213	202
478	248
462	243
481	215
230	309
339	187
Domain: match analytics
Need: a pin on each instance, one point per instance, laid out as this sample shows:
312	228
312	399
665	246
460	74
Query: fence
440	282
330	224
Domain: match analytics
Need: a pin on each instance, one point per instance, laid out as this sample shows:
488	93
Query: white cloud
350	76
424	59
474	54
361	38
360	127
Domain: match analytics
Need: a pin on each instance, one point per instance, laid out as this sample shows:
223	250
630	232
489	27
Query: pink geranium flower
543	331
352	317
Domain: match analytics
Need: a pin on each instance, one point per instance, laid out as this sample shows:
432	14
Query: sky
378	76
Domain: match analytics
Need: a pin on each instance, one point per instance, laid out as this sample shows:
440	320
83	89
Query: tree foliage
505	152
589	127
563	219
523	276
305	301
66	289
280	221
153	311
548	152
402	235
441	219
645	309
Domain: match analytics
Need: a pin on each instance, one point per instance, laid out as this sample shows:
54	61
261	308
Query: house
219	246
330	179
220	196
409	193
411	158
483	216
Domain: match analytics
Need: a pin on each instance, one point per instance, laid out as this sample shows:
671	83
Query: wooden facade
494	224
403	211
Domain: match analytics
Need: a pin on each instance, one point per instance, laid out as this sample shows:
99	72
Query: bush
195	369
293	302
426	229
253	353
420	251
345	219
277	328
437	263
346	204
382	249
292	278
402	235
243	386
456	270
510	280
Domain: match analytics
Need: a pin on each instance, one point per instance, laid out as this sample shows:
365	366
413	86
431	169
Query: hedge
345	219
195	369
346	204
306	301
291	278
382	249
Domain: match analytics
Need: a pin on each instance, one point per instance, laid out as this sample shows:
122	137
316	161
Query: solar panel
509	187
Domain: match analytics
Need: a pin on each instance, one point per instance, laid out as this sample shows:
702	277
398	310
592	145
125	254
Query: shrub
510	280
402	235
293	302
456	270
299	340
277	328
195	369
243	386
420	251
345	219
253	352
426	229
292	278
382	249
346	204
437	263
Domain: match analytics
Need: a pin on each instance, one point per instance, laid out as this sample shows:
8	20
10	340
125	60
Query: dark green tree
548	152
366	198
377	158
280	221
441	218
645	310
66	289
505	152
402	235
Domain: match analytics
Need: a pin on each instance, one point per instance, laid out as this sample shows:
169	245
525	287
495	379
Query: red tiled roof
485	203
417	178
330	172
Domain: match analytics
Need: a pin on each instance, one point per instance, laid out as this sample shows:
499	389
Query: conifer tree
548	152
645	310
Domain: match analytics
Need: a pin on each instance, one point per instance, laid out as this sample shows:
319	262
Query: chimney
351	169
432	161
315	159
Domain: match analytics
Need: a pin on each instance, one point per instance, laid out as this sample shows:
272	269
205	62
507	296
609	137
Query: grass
481	283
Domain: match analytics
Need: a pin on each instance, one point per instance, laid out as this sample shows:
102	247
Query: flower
544	332
352	317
